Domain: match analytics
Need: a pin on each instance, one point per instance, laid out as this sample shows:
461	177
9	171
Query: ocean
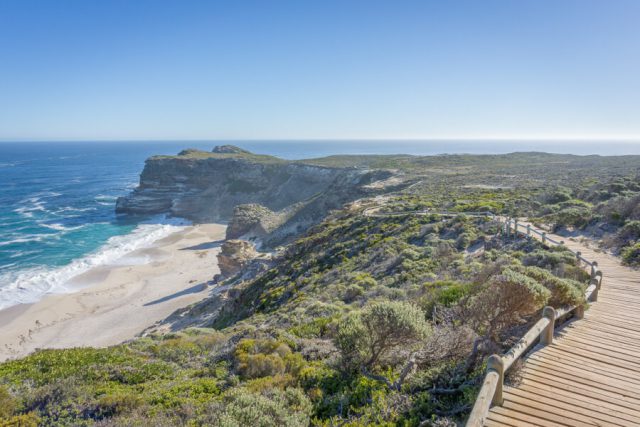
57	200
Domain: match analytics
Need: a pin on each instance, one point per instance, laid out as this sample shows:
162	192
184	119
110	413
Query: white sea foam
73	209
31	205
26	286
105	200
19	254
34	203
26	239
60	227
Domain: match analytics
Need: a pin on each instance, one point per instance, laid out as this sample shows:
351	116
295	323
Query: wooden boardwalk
590	374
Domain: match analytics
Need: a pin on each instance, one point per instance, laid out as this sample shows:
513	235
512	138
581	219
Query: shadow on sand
192	290
203	246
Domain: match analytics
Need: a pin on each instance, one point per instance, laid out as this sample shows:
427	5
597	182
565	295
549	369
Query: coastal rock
252	221
234	255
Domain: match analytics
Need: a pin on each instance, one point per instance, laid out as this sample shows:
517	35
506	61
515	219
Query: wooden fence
542	331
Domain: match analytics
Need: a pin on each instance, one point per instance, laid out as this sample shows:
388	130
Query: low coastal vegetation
363	319
608	211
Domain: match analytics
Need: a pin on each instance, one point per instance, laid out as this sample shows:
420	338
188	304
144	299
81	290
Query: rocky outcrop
234	255
252	221
282	198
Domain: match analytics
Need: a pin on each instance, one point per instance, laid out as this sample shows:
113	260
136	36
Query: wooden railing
491	391
375	212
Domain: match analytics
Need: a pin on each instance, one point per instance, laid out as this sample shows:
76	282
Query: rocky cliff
286	196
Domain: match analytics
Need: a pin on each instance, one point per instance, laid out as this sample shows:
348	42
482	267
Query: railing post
599	272
578	256
547	335
594	268
594	294
579	311
544	237
495	363
515	228
528	230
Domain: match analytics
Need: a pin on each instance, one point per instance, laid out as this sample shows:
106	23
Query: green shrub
366	336
271	408
563	291
177	350
464	240
630	231
505	301
63	399
574	216
352	292
560	195
365	280
137	374
442	292
449	293
256	358
631	255
185	393
88	364
316	328
23	420
116	404
548	258
7	403
537	294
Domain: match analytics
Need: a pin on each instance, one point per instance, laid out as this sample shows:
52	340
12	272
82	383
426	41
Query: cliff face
206	187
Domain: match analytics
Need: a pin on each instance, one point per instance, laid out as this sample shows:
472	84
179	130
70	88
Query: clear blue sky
145	69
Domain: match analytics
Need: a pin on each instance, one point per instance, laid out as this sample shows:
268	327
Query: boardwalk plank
582	401
558	362
525	419
608	383
582	413
556	353
590	375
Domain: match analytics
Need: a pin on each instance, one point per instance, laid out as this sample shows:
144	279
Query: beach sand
114	303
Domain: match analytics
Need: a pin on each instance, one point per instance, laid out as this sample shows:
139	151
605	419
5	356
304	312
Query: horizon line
629	139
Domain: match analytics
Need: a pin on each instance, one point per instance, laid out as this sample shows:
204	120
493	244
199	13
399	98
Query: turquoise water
57	213
57	200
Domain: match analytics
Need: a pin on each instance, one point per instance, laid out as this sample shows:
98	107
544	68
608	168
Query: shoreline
114	303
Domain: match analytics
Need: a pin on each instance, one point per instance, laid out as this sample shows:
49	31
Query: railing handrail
541	233
367	212
491	391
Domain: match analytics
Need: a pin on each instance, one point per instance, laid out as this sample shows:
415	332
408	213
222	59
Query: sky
346	69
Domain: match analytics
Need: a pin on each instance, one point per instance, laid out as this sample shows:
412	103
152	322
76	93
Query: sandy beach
114	303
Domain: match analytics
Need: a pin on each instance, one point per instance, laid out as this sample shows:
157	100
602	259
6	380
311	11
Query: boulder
234	255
